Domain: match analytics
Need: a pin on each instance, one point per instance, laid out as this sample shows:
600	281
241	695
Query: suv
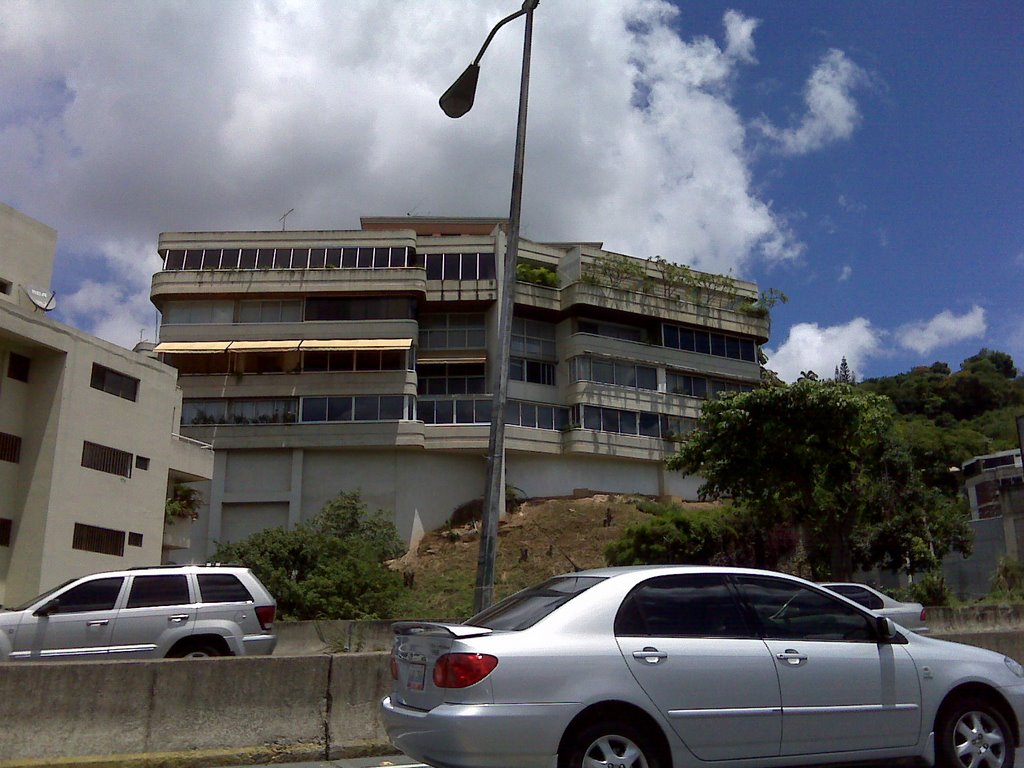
144	613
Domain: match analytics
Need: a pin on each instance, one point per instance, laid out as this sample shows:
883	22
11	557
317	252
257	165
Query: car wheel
194	651
973	734
608	743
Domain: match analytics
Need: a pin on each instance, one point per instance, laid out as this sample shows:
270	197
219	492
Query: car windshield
526	608
37	598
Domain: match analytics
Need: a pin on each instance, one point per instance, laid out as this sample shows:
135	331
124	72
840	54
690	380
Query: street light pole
455	102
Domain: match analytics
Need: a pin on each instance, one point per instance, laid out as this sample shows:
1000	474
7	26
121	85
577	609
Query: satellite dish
45	300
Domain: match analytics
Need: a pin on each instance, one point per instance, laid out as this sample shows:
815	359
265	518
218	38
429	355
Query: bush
332	567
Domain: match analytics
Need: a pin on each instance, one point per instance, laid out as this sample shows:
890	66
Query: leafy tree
844	374
331	567
821	456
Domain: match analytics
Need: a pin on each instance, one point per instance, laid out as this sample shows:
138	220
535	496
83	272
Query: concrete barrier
310	706
300	638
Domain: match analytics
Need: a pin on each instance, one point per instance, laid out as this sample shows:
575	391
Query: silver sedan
677	666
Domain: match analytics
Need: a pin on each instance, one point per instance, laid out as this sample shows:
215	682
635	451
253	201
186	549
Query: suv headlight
1013	666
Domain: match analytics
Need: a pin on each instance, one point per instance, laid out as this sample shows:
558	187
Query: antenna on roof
43	299
282	219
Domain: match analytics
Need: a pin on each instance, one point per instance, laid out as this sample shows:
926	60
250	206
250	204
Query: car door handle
791	657
178	618
650	655
97	623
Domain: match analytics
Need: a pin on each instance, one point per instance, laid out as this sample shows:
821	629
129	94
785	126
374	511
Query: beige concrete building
323	361
88	443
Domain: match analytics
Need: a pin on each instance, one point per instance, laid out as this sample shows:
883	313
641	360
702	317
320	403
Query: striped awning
192	347
451	360
326	345
281	345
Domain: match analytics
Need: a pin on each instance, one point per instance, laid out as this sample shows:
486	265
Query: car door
159	610
687	643
842	689
77	624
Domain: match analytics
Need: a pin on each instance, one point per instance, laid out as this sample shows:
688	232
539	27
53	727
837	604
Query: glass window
392	407
175	260
698	605
152	591
701	343
646	377
860	595
222	588
18	367
95	595
524	609
364	257
229	258
788	610
247	260
317	258
282	258
339	409
300	258
367	408
333	257
314	409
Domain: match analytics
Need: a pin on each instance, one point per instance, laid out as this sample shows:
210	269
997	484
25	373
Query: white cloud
208	116
832	114
944	329
845	273
809	347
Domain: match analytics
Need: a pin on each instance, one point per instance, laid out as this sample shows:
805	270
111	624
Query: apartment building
321	361
88	443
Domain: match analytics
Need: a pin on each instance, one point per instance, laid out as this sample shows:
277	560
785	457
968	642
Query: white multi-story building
325	361
88	444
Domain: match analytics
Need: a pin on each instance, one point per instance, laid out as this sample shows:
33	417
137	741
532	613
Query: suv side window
150	591
222	588
698	605
95	595
790	611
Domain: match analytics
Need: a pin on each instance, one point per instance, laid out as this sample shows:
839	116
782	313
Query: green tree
331	567
817	455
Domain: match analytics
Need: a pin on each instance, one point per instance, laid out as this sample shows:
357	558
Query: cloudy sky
864	157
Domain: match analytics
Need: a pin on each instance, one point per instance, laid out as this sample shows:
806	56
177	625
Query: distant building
87	450
323	361
987	477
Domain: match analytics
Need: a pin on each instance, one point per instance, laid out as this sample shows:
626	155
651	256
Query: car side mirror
48	608
885	628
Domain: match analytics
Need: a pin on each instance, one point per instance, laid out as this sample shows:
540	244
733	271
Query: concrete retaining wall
319	706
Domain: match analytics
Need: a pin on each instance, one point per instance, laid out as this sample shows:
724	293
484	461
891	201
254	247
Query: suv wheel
971	733
194	651
608	743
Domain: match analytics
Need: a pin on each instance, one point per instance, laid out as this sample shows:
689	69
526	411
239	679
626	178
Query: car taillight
394	665
265	615
924	614
460	670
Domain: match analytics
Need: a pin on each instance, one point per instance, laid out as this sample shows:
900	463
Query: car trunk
417	647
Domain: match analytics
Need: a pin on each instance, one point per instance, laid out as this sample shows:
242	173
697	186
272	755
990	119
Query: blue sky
863	157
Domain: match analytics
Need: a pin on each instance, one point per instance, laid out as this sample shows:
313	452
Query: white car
910	615
686	666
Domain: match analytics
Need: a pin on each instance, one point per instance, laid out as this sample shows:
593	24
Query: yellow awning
192	347
451	360
324	345
289	345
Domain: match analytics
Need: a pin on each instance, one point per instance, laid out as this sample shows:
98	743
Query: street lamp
456	102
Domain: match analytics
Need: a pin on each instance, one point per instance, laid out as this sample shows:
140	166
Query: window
618	372
458	330
142	462
356	360
365	308
450	379
270	311
357	408
454	411
92	538
681	606
134	539
860	595
222	588
533	338
718	344
790	611
611	330
6	527
18	366
256	411
105	459
532	371
459	266
153	591
95	595
114	383
539	415
5	286
10	448
525	608
198	312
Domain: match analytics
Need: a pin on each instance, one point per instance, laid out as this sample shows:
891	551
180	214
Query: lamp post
456	102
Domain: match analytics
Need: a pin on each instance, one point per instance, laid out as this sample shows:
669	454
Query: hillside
543	537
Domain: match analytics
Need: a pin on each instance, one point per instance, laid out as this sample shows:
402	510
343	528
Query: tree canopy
825	458
331	567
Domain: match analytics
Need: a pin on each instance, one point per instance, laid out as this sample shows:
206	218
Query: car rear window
159	590
222	588
526	608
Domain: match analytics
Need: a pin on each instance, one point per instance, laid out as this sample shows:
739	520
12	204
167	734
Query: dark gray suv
144	613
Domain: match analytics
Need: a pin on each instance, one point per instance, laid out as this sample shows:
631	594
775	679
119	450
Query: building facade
324	361
88	443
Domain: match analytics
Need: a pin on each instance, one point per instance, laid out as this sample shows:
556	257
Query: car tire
194	651
971	733
611	743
